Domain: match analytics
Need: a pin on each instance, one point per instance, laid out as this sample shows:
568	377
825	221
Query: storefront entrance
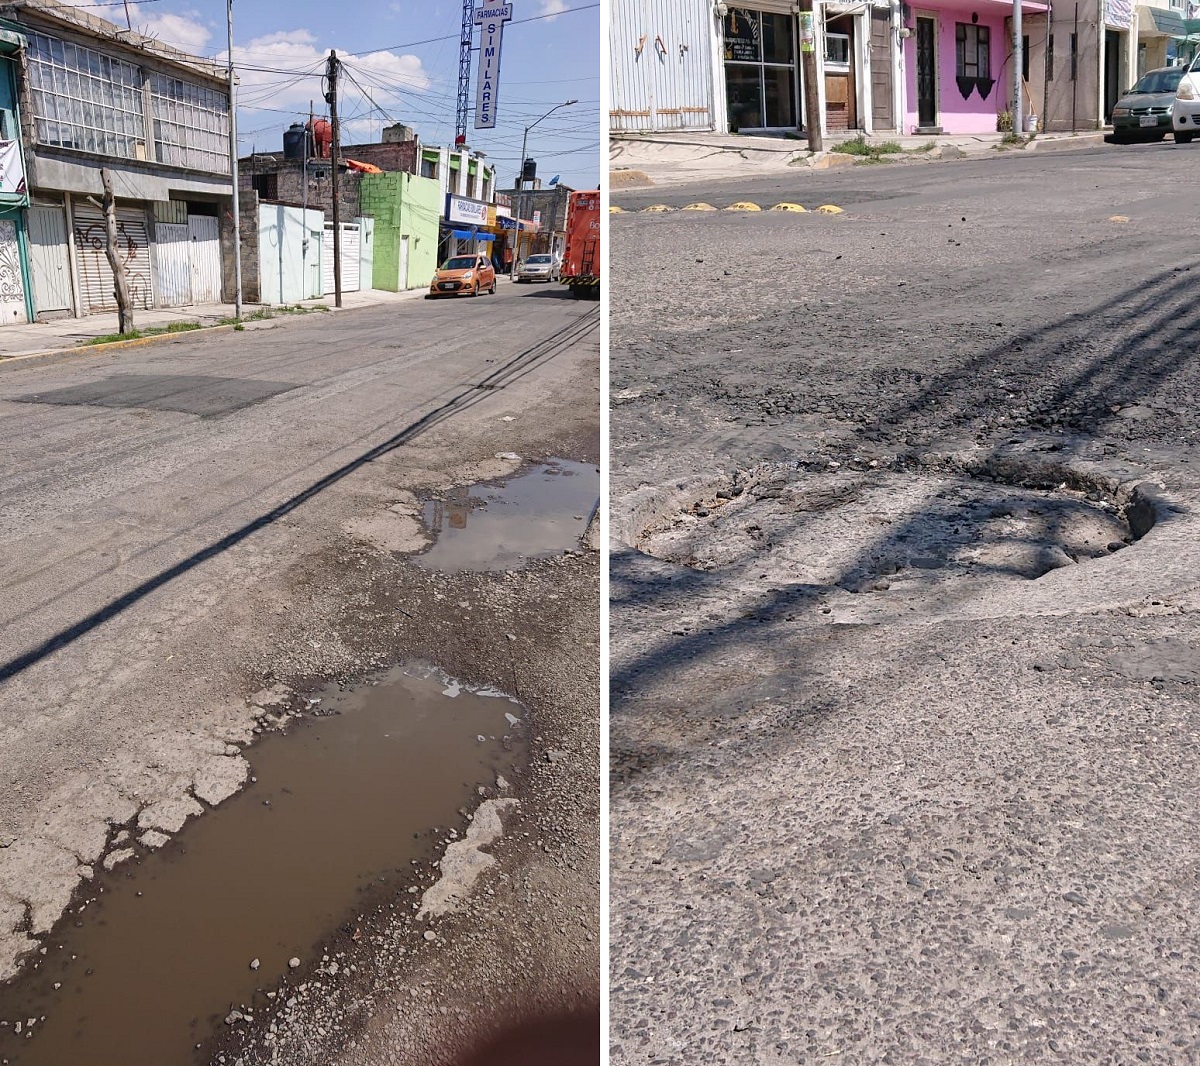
761	81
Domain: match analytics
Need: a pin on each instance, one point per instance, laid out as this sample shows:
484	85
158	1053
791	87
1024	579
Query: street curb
136	342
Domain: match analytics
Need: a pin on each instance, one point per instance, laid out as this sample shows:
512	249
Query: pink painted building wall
957	115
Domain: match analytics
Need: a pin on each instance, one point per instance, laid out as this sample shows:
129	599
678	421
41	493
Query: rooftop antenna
464	73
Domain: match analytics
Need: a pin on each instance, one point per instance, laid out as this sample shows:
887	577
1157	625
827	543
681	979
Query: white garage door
350	251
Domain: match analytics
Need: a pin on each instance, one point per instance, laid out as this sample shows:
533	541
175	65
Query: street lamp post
521	180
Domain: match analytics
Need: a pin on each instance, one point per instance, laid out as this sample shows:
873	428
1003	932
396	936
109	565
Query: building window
85	100
266	185
91	102
429	168
973	44
760	69
837	51
191	125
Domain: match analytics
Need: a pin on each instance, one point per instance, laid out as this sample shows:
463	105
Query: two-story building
882	66
90	95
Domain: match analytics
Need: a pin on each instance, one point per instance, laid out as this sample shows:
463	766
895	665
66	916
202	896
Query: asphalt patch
193	394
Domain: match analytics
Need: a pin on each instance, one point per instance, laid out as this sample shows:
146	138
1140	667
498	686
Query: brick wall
287	186
400	156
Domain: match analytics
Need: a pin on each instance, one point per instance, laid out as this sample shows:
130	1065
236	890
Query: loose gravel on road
904	617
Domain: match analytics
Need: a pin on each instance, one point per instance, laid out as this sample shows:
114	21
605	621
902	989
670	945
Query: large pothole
872	530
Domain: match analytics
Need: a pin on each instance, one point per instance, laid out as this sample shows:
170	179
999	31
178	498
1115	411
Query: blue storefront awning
471	235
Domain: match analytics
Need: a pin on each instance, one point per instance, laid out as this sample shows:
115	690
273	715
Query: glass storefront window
760	69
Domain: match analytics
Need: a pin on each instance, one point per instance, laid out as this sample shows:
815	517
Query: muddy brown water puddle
154	962
499	526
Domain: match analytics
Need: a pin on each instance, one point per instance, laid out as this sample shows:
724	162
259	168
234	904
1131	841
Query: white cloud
179	31
553	7
390	78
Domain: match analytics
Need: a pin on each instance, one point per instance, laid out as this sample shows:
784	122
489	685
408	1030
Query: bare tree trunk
124	307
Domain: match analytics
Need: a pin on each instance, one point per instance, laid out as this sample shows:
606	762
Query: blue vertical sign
490	19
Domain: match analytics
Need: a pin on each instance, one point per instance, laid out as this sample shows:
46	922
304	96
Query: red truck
581	253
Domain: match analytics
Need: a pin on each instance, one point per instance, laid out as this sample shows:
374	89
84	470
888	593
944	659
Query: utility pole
233	172
331	98
808	55
1018	68
308	133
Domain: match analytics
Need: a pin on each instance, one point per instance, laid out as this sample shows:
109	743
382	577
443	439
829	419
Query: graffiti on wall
90	241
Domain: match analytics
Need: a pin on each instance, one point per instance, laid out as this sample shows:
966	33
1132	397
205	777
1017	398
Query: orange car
463	275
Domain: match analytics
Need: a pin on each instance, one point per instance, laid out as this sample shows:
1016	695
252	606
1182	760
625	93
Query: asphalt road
181	528
902	771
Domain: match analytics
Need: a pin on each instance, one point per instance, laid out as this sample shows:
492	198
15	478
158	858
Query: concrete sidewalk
638	160
30	339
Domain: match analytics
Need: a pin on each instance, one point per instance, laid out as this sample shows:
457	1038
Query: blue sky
403	54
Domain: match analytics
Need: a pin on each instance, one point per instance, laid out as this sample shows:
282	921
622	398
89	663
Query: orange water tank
323	137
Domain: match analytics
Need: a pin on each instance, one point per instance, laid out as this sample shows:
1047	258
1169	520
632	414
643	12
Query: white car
1185	116
538	268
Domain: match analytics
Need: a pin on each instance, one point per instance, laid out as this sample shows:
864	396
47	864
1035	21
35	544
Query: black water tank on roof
293	141
529	171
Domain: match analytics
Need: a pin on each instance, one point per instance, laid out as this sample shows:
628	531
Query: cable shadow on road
498	378
1077	360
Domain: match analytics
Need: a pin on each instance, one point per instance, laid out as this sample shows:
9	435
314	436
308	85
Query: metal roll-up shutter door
95	277
351	244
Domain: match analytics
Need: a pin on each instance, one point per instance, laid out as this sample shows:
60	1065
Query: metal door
926	72
96	284
403	282
174	275
48	259
205	232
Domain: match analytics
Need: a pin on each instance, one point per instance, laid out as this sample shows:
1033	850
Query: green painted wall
403	205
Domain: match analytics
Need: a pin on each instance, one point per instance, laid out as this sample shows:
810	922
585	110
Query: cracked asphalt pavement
904	617
191	527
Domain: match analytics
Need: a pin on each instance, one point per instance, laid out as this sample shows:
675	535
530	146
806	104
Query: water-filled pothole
153	961
870	530
502	525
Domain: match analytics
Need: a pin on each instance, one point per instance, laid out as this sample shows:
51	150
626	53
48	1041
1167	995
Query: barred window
85	100
191	125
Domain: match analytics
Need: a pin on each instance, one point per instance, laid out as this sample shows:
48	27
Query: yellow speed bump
657	209
699	207
787	207
615	210
829	209
1121	219
743	205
